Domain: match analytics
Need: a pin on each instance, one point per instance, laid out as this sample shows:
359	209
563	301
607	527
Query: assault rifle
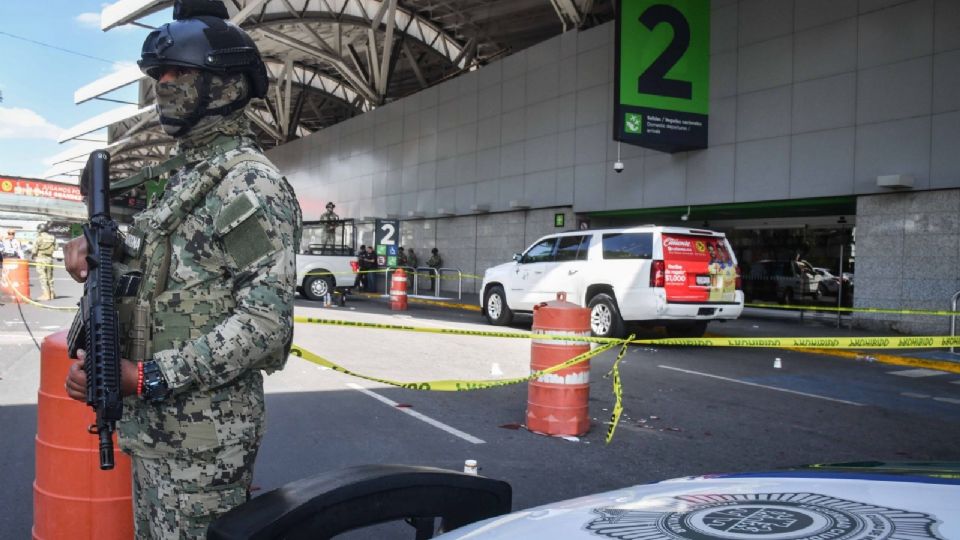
95	327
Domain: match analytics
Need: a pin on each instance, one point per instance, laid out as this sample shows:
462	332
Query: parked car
674	276
783	281
867	500
844	501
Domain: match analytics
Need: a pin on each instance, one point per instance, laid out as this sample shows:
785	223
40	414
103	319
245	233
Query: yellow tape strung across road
855	310
617	390
912	342
449	385
414	300
27	300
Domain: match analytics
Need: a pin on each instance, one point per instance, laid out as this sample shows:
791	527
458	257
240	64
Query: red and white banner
39	188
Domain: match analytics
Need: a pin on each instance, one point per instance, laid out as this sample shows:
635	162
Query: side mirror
517	257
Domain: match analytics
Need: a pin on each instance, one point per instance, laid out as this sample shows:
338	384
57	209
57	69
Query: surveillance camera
618	166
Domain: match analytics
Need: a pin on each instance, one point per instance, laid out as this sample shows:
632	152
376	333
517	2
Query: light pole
842	222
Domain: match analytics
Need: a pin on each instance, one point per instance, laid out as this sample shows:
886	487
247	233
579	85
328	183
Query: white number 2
389	230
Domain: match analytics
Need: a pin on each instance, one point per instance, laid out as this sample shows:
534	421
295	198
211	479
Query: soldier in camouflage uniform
215	264
328	236
43	250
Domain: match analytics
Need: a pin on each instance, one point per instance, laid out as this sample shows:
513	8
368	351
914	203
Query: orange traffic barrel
16	279
72	497
558	403
398	291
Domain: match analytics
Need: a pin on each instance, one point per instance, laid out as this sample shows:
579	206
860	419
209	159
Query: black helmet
43	227
201	38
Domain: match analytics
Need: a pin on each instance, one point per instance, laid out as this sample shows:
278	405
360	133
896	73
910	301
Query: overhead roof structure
329	60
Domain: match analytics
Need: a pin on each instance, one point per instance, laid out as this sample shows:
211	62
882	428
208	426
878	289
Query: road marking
435	423
947	400
915	373
911	394
955	382
763	386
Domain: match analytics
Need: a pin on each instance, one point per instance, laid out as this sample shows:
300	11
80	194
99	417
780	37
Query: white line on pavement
914	373
947	400
435	423
955	382
762	386
914	395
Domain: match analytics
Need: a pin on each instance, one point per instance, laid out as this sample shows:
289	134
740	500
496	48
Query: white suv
679	277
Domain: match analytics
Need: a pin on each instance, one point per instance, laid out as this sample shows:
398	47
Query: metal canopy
329	60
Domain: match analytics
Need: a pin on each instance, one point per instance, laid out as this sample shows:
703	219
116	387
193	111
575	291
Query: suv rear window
628	246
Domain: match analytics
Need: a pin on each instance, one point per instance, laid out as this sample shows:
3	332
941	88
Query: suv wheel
605	320
316	287
495	307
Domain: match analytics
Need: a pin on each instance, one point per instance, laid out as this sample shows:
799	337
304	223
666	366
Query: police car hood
770	506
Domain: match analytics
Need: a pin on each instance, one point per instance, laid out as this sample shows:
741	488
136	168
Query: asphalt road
688	411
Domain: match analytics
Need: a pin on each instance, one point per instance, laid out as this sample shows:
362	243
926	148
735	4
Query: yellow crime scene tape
814	344
26	300
946	313
906	342
481	384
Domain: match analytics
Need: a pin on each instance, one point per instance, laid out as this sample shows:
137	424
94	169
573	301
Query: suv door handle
572	272
537	271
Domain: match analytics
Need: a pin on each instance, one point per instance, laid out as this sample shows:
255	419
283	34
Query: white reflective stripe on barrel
581	377
565	343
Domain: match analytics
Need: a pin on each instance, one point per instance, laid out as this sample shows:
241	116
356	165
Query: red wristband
139	379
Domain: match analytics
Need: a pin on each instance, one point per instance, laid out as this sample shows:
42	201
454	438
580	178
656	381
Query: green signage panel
662	87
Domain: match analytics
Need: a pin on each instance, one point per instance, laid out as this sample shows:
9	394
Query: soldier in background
218	261
43	250
435	261
412	259
330	219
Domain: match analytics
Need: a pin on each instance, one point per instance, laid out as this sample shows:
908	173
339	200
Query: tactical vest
153	318
45	246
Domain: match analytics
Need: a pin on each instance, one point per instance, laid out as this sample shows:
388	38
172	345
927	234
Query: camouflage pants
45	270
178	498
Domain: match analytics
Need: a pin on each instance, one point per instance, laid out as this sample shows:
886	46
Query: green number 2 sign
663	68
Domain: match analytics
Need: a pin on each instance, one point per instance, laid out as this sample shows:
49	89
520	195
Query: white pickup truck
322	266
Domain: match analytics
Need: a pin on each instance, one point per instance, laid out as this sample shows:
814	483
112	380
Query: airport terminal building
832	130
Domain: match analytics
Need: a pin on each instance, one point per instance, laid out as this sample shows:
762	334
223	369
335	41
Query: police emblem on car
781	516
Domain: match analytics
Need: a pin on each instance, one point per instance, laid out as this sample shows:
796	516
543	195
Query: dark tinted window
628	246
540	252
573	248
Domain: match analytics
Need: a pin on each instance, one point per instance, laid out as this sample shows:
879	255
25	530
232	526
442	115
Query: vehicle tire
605	319
316	287
495	307
694	329
787	297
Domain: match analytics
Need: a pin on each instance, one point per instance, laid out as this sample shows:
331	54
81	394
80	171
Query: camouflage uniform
435	261
43	250
328	236
217	256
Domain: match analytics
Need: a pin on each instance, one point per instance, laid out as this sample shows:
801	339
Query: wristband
139	379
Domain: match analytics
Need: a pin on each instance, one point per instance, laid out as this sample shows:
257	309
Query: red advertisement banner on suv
698	269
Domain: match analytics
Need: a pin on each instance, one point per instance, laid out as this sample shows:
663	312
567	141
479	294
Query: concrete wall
908	257
808	98
477	242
